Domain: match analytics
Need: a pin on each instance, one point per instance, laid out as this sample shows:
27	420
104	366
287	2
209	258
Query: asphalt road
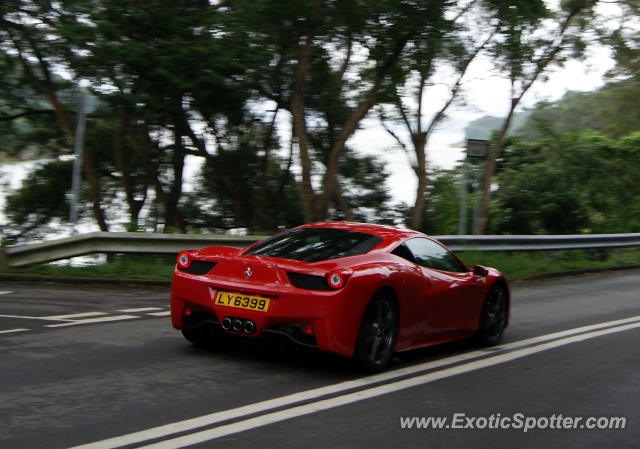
102	365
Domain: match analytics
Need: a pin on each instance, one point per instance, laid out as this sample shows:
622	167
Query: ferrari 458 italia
357	290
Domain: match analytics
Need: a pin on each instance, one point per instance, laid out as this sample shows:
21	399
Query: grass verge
148	267
514	265
527	264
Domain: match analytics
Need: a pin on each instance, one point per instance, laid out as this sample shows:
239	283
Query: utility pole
462	220
77	163
475	149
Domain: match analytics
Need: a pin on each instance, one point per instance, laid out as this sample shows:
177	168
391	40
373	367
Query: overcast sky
485	93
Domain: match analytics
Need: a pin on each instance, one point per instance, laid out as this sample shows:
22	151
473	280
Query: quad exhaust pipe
249	327
238	325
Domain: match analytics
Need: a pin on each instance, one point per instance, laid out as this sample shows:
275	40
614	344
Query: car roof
388	233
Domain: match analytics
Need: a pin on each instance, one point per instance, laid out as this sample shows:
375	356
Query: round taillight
335	279
184	259
307	329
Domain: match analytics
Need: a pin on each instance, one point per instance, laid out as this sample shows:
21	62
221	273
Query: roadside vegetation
119	267
514	265
267	94
530	264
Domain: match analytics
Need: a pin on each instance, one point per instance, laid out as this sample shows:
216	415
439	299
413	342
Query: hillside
613	111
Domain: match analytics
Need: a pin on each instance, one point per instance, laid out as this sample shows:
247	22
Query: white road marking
72	316
314	407
555	339
5	292
11	331
140	310
56	317
76	319
104	319
165	313
20	316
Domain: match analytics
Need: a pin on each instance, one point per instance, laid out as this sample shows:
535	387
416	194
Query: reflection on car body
357	290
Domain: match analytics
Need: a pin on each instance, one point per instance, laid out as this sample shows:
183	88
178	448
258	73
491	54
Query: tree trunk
121	164
284	178
45	86
258	215
490	170
351	125
419	144
343	204
549	55
300	130
172	220
95	190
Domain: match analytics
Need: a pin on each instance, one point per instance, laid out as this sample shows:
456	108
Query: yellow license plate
241	301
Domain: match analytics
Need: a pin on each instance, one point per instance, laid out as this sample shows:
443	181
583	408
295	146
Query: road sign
477	148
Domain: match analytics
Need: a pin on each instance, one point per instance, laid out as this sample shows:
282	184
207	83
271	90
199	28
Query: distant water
13	173
11	176
443	152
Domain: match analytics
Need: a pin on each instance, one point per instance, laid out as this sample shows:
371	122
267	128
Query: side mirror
480	271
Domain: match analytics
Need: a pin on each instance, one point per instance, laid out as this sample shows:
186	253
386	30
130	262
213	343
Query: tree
568	183
31	38
445	42
238	185
442	204
528	44
27	125
623	38
174	76
40	199
332	61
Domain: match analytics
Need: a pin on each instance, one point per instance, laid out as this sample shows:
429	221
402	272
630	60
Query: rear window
315	244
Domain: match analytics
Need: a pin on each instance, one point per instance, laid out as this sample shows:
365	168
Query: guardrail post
3	256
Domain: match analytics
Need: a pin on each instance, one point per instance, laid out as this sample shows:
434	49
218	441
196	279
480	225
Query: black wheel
377	334
494	316
203	335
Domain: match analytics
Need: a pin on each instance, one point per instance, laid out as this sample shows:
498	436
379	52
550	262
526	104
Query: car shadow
281	354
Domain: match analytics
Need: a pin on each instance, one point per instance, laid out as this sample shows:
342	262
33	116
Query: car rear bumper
335	326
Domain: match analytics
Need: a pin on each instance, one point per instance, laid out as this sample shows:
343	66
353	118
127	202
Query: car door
451	301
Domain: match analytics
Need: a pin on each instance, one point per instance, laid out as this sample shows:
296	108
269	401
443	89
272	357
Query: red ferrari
358	290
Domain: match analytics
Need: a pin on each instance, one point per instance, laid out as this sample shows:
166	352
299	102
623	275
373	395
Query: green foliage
364	188
150	54
569	183
191	78
514	265
529	264
624	40
442	204
120	266
517	41
28	128
234	179
40	199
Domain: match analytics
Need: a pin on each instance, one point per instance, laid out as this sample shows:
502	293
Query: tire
377	334
493	319
202	336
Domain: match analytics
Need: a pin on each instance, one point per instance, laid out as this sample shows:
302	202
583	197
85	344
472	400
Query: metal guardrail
461	243
147	243
117	243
